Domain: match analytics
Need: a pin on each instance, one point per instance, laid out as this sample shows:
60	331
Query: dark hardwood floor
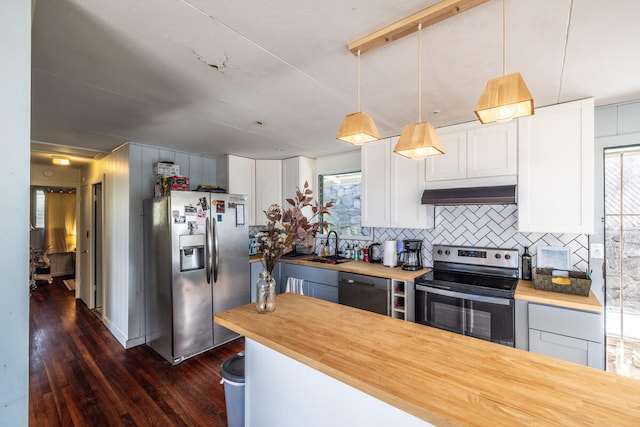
80	375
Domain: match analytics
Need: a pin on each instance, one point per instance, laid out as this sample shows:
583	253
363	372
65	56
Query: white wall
15	87
615	126
55	176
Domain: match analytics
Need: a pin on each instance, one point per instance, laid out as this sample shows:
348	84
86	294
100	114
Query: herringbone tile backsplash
487	226
480	225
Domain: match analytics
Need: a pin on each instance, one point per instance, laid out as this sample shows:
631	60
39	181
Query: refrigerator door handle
207	249
216	250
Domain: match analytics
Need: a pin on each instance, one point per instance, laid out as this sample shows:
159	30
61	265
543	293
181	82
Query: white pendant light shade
358	128
504	98
418	140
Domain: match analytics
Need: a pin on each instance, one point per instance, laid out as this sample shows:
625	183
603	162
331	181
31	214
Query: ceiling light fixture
61	161
506	97
358	128
419	140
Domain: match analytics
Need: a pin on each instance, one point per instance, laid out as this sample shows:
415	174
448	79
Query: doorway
97	215
622	242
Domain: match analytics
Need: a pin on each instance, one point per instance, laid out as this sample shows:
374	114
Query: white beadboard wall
127	178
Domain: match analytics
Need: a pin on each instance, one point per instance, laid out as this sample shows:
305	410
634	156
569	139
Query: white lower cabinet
318	282
572	335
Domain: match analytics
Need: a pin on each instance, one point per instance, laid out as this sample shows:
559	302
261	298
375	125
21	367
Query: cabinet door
237	175
295	171
453	163
406	208
322	291
376	158
556	169
268	187
492	150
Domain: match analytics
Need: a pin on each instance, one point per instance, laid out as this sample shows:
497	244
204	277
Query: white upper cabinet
295	171
237	175
492	151
474	155
556	169
452	164
376	189
268	186
392	188
407	186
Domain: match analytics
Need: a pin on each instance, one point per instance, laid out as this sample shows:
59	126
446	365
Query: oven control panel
494	257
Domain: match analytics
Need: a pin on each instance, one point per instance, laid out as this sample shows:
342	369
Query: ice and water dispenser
192	252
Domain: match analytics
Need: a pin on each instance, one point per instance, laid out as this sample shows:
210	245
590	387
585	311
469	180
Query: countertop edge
526	292
496	383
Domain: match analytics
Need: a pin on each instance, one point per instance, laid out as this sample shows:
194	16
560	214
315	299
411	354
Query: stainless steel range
470	291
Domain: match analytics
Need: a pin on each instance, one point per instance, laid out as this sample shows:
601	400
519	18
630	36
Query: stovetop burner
479	271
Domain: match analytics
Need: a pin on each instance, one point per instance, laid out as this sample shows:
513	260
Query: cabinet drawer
559	346
568	322
314	274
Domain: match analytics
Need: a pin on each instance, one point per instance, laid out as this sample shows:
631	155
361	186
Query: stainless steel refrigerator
196	264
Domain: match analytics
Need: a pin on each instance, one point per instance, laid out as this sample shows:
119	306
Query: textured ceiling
273	78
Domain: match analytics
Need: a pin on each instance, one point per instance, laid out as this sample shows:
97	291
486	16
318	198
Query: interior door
84	246
97	246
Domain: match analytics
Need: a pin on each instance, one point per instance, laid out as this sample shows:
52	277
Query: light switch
597	250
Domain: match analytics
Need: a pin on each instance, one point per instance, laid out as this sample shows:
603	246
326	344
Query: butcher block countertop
525	291
438	376
361	267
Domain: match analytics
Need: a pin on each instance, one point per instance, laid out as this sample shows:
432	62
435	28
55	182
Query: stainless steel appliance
375	255
195	265
412	257
470	291
365	292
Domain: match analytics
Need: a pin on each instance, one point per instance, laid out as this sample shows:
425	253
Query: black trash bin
232	373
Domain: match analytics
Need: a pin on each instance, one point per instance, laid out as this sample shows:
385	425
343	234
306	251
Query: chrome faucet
335	252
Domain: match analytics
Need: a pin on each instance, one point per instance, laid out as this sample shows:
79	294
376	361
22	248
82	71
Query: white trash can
232	373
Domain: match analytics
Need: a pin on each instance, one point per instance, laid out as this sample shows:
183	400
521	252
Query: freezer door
231	286
191	294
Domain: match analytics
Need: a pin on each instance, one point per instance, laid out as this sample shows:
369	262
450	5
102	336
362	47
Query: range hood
496	195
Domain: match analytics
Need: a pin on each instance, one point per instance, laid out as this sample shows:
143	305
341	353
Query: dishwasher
365	292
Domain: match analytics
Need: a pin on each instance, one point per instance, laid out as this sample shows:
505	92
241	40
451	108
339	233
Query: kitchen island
427	375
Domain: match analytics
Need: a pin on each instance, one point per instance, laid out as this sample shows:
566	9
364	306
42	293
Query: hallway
80	375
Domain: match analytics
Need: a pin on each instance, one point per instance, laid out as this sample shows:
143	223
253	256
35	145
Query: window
344	190
38	208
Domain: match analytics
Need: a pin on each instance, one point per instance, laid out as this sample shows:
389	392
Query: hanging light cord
358	80
504	37
419	73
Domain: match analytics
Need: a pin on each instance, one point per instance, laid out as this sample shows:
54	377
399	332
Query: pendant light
506	97
358	128
419	140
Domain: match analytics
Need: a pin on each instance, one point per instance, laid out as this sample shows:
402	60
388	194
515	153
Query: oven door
487	318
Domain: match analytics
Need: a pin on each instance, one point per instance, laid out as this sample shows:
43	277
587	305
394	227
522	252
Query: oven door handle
462	295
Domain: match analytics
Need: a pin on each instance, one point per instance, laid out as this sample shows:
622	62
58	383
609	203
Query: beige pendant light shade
504	98
358	128
507	97
418	140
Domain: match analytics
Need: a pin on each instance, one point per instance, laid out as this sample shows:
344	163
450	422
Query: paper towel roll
390	254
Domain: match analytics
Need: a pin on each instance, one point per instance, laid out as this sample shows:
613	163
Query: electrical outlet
597	250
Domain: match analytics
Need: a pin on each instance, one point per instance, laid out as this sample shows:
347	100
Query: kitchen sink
329	260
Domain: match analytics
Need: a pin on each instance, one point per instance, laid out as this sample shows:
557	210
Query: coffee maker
412	259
